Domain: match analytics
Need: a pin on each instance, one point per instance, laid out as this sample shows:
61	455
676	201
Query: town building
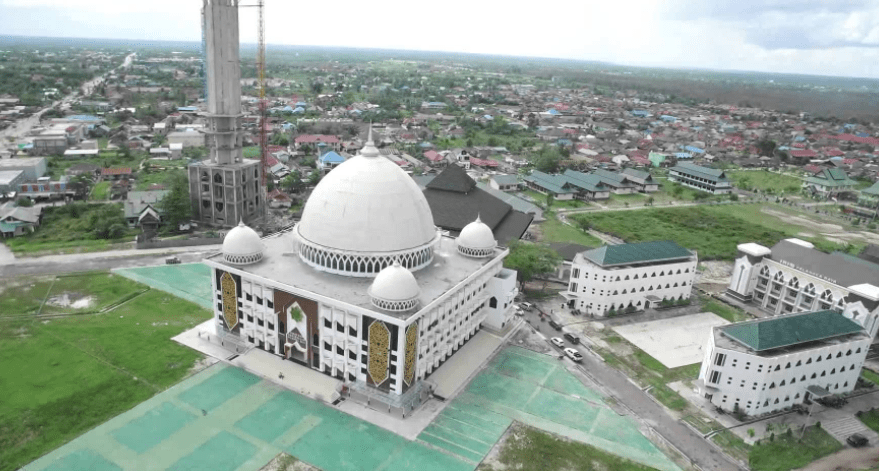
44	187
226	188
18	220
793	276
186	139
504	182
829	182
630	277
10	181
619	184
706	179
365	288
768	364
642	180
33	167
143	204
456	200
869	197
571	185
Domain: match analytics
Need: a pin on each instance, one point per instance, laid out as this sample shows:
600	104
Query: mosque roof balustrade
283	266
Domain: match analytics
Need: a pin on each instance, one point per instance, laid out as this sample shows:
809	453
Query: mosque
365	288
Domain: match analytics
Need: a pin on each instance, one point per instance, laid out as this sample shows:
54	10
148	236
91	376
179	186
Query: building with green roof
768	364
700	178
869	197
829	182
627	277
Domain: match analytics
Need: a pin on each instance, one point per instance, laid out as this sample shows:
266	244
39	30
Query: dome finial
369	149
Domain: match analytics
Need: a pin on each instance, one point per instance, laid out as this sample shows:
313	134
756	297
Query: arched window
492	303
218	178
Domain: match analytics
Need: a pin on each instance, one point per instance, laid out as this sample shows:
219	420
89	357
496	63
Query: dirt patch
845	460
72	300
491	461
715	272
285	462
832	232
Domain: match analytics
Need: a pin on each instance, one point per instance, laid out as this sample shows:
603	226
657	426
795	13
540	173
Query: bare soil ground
832	232
715	272
846	460
285	462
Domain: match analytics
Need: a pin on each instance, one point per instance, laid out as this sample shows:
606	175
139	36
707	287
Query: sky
823	37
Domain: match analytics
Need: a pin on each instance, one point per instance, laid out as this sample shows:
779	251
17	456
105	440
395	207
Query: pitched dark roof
453	210
640	175
870	253
512	227
625	254
711	174
839	268
785	331
453	178
568	250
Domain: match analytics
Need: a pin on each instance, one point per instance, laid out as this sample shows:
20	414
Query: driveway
618	385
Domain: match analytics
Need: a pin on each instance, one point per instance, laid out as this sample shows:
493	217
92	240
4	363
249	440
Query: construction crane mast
263	107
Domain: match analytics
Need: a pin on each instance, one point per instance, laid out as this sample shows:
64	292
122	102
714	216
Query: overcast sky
832	37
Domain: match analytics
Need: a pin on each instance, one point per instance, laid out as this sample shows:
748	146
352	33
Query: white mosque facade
364	288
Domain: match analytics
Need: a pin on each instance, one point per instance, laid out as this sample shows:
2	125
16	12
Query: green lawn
871	419
24	296
785	453
763	181
162	177
870	376
556	231
63	376
725	311
713	231
100	192
528	449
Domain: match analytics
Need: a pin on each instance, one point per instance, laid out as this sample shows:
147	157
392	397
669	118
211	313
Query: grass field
871	419
870	376
557	231
528	449
765	181
789	452
72	228
59	295
725	311
713	231
63	376
100	192
162	177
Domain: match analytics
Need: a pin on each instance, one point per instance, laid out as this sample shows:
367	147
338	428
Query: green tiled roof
552	183
711	174
625	254
832	177
777	332
585	181
873	190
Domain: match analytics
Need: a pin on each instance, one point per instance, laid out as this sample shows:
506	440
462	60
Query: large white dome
242	245
476	239
395	289
366	207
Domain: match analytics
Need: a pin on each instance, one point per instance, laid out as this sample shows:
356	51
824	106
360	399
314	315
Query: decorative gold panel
230	300
379	352
411	353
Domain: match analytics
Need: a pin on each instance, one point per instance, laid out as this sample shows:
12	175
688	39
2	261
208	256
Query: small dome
395	289
476	240
242	246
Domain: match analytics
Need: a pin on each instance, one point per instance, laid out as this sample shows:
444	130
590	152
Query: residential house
556	185
869	197
504	182
143	207
618	183
116	174
279	199
588	186
18	220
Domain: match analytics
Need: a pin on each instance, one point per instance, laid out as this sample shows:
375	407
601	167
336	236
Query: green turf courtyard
225	419
190	281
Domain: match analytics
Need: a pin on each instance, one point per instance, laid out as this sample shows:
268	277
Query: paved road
694	446
23	126
71	263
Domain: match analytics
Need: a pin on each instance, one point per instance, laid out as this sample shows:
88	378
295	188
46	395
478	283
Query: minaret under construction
225	188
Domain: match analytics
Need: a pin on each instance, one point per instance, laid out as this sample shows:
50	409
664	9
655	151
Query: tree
292	183
80	185
549	200
24	202
175	205
531	260
650	201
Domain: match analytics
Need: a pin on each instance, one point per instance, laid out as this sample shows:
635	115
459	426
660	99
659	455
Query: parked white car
558	342
573	354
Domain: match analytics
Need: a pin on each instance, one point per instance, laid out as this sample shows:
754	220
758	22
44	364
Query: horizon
806	37
247	45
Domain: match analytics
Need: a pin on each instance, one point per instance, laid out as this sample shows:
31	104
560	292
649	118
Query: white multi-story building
639	276
706	179
768	364
793	276
365	288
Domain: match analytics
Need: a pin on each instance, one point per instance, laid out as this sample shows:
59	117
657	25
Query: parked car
526	306
573	354
557	342
172	261
519	311
572	338
555	325
857	440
